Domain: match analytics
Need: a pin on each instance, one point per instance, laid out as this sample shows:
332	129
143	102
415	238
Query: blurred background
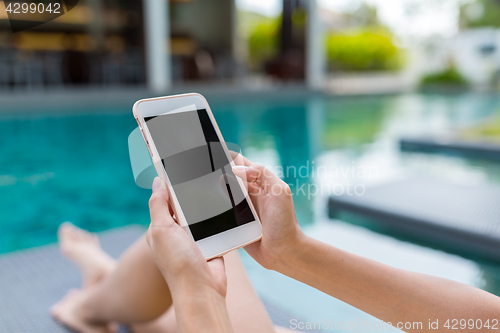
408	89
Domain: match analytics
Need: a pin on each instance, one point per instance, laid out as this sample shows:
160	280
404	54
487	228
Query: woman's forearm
390	294
201	311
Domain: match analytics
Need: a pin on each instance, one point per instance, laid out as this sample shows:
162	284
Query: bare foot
83	249
69	312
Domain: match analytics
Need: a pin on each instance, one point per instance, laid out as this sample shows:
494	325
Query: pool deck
462	218
33	280
468	148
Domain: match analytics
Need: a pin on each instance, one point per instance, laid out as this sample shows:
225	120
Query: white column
239	45
315	51
157	36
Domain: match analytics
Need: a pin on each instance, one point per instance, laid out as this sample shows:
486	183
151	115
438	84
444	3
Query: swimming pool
76	168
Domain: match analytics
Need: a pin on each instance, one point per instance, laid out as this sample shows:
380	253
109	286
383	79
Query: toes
79	234
57	309
63	311
87	237
54	311
68	231
69	295
63	229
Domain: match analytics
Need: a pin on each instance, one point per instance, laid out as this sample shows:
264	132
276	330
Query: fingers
171	210
240	159
219	261
261	176
218	267
252	188
158	204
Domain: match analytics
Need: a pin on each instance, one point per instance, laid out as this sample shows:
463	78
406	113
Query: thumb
158	206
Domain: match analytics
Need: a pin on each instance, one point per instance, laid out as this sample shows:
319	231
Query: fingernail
158	184
240	167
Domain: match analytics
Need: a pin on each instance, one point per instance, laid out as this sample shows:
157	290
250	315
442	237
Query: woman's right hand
272	199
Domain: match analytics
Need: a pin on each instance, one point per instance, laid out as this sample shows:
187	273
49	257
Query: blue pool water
74	166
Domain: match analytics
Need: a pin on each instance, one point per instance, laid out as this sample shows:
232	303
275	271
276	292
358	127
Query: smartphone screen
199	171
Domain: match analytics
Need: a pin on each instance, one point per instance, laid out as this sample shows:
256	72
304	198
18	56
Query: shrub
447	77
363	50
263	41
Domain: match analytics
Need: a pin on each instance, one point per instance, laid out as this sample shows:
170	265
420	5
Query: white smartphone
191	156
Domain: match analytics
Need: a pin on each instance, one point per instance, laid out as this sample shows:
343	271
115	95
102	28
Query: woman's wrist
193	285
196	294
291	257
200	308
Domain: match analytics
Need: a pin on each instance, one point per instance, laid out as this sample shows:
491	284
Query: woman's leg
246	311
136	292
129	291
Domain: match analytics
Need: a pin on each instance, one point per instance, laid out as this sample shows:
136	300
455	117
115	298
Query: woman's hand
198	287
272	198
175	252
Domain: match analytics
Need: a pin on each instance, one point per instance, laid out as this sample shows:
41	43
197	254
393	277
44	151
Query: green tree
364	16
480	13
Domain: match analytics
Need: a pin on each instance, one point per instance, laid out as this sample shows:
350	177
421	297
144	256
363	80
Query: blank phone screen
199	171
